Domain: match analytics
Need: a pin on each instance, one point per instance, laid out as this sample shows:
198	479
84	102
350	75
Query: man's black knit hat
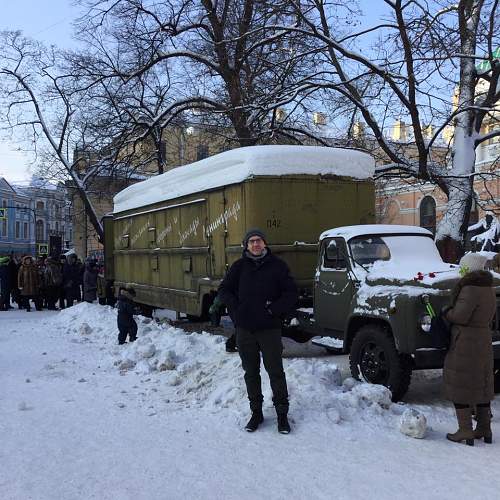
253	232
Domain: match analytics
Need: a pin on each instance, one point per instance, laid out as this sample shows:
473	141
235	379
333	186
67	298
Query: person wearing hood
468	366
90	281
258	291
5	284
125	318
29	283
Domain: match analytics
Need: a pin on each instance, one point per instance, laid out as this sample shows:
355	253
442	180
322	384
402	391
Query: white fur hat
473	262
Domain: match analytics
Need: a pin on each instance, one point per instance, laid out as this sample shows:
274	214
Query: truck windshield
369	249
409	248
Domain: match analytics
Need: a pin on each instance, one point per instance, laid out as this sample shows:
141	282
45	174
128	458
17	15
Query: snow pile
413	423
198	371
232	167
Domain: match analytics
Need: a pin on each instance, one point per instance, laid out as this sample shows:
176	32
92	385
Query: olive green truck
364	288
175	235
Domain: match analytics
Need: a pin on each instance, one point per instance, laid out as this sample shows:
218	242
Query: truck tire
375	359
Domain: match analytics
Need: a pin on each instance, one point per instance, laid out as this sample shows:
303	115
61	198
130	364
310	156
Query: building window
18	229
39	230
4	228
201	152
25	230
40	205
428	214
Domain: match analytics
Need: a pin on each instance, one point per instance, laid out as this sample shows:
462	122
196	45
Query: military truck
173	236
371	289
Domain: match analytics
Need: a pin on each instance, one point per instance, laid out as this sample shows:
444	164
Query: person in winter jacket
258	291
90	281
14	266
125	319
5	284
468	366
53	279
71	280
28	281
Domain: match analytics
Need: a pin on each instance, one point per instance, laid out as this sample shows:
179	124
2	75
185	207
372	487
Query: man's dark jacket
258	292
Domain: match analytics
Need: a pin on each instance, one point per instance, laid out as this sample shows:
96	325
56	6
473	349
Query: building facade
37	221
17	235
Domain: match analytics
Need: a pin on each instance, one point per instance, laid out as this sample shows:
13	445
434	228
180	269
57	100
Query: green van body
175	252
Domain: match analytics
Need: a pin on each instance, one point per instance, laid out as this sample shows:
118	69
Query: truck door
333	289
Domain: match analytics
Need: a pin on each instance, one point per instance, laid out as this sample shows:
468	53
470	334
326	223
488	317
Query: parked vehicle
174	236
371	286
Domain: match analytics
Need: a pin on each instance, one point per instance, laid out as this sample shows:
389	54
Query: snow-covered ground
84	418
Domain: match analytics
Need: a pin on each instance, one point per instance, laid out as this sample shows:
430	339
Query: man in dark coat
72	278
258	291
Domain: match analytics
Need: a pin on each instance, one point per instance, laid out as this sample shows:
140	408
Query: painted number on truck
273	223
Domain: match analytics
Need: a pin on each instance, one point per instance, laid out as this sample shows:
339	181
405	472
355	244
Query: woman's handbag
440	331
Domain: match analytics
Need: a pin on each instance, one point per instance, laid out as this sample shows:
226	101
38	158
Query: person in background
40	265
29	283
71	280
5	284
468	366
62	292
53	282
90	281
14	266
125	319
259	291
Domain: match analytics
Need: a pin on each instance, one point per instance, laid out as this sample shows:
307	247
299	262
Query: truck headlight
425	323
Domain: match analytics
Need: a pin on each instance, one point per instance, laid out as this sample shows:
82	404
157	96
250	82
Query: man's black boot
255	420
283	425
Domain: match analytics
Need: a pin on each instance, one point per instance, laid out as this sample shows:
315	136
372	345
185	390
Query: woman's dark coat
468	367
258	293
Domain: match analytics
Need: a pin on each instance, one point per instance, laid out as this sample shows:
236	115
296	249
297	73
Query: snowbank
202	374
232	167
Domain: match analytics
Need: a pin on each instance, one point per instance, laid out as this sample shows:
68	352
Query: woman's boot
465	432
483	428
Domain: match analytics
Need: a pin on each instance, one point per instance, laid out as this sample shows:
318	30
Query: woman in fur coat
468	366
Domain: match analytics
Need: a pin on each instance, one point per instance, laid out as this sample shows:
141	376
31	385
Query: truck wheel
374	358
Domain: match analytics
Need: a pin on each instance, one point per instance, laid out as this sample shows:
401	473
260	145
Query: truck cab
371	286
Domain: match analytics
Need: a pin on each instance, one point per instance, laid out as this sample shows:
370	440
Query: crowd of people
46	282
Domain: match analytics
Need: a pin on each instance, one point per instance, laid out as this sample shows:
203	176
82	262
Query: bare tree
75	137
409	65
222	55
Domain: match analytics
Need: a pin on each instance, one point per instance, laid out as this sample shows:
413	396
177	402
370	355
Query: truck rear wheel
375	359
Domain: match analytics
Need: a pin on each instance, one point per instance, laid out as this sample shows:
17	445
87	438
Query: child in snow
126	310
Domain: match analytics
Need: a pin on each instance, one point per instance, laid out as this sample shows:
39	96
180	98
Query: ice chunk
413	423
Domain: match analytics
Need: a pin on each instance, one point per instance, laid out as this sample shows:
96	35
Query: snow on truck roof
236	165
348	232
